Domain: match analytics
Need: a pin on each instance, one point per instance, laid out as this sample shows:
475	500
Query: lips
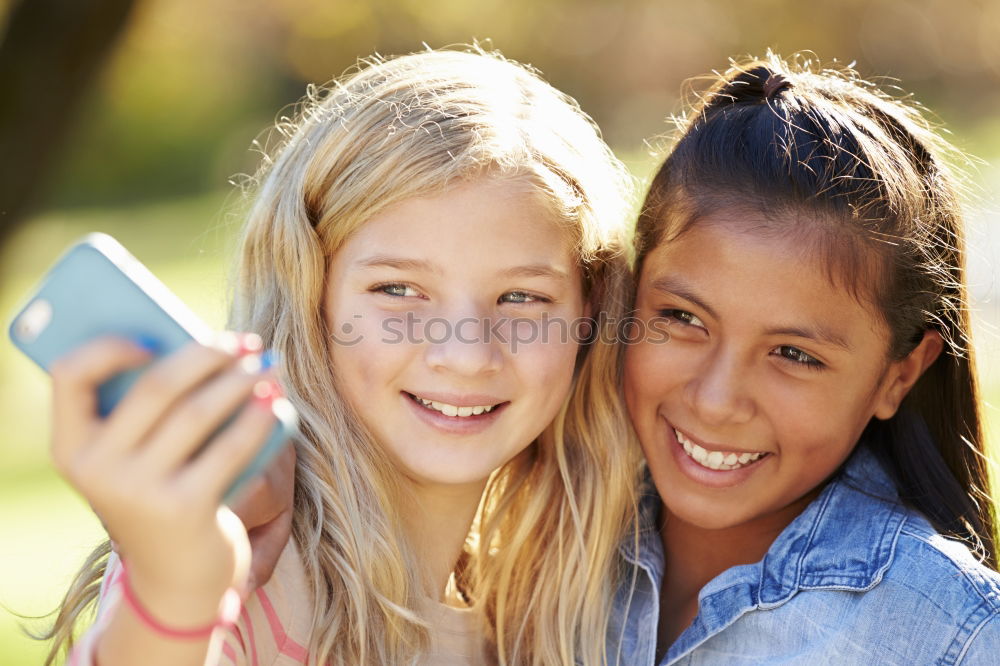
447	418
715	459
722	476
448	409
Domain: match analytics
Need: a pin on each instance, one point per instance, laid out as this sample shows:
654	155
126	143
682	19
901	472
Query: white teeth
453	410
715	459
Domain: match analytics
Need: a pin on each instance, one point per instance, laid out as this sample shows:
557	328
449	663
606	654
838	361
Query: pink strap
229	613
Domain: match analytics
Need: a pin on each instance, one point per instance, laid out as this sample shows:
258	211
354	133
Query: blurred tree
49	57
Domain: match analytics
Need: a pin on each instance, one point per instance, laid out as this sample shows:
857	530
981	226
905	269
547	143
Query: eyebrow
404	264
670	284
678	287
820	333
535	270
400	263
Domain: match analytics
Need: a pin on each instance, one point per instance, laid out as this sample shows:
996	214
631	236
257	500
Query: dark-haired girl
812	426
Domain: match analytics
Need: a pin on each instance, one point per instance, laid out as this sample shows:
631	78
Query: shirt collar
645	549
845	538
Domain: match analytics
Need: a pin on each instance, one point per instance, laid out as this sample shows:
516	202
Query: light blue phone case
98	288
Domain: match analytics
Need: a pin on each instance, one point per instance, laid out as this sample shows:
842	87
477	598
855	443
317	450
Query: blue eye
799	357
394	289
682	316
522	297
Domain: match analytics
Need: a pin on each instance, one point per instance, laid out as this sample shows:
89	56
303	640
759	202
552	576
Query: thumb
234	532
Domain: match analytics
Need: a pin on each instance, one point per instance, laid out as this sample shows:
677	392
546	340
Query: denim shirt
857	578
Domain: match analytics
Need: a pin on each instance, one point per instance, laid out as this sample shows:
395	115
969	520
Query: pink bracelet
230	611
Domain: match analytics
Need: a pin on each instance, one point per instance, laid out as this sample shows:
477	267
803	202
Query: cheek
816	429
367	349
545	366
829	416
544	376
653	370
543	350
358	368
633	379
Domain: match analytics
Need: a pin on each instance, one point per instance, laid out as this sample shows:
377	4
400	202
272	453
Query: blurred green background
171	117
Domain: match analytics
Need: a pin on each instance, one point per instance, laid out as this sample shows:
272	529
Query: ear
904	373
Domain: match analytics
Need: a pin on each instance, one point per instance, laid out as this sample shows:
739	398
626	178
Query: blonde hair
551	518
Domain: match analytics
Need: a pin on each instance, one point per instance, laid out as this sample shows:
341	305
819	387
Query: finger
193	420
231	451
236	535
75	378
157	390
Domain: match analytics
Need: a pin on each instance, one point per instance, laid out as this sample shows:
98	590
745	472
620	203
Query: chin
707	521
705	514
453	474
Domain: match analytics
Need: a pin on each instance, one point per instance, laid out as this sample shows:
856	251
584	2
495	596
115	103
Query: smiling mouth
719	461
466	411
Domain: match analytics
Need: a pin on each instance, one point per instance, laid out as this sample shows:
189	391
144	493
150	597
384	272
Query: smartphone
98	288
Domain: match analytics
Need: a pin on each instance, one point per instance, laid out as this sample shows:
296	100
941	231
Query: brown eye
797	356
683	317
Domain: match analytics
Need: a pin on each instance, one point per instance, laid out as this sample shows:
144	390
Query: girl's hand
265	508
145	471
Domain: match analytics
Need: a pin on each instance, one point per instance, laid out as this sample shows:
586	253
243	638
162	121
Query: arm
84	650
160	504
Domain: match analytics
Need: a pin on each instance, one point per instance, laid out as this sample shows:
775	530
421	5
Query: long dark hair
862	177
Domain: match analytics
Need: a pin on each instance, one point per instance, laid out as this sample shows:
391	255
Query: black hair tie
775	84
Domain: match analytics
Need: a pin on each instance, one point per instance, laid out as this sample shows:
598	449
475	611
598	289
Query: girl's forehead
820	244
752	273
482	224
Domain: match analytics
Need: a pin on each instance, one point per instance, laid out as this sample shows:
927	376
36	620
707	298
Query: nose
718	394
462	345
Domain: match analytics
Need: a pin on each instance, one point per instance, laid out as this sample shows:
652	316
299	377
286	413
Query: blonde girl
417	252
